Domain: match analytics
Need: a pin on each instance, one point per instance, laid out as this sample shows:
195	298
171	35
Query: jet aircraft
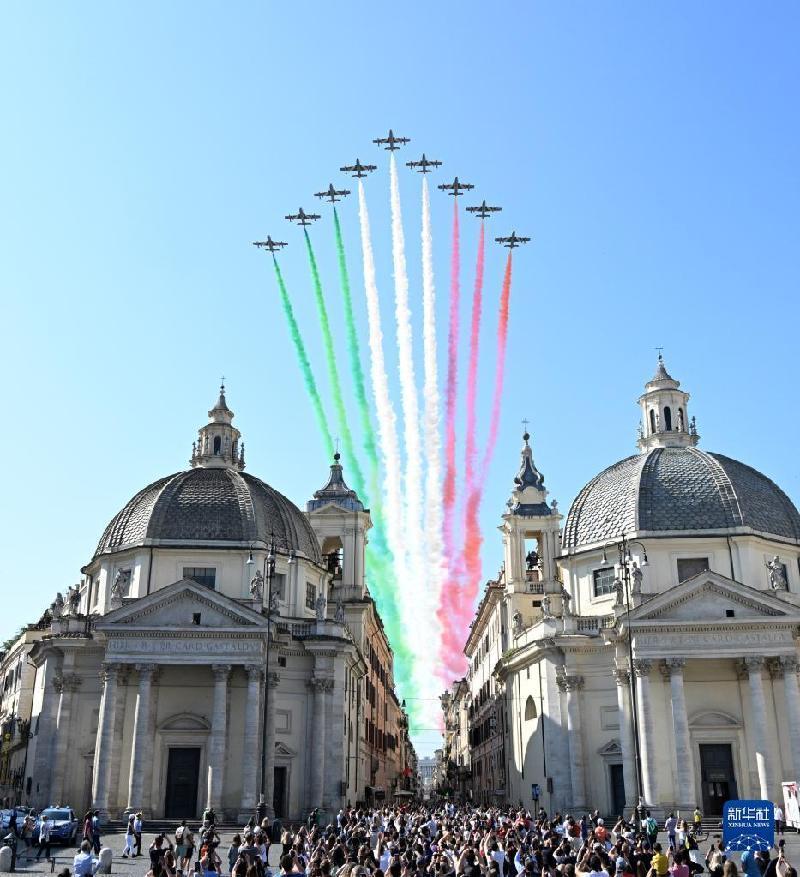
333	195
269	244
456	188
301	217
513	240
423	164
483	210
391	140
358	169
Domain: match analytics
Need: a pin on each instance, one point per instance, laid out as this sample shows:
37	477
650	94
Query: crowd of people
445	841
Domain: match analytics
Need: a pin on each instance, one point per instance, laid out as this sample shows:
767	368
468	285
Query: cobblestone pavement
138	867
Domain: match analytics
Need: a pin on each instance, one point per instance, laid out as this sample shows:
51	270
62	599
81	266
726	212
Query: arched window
652	421
530	709
668	418
681	422
217	444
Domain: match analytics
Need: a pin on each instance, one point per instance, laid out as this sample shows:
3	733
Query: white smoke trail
385	416
419	609
432	417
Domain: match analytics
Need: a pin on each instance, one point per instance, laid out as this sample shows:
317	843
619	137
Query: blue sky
651	150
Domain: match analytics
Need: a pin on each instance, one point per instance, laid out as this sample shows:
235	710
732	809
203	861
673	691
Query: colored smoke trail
419	608
354	470
472	372
500	369
380	573
450	604
432	416
387	433
474	487
305	365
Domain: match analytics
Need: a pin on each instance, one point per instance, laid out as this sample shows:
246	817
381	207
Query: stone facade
195	654
658	664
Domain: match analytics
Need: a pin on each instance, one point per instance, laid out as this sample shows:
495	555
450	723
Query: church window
652	421
311	595
203	575
667	418
530	709
217	445
604	581
688	567
279	586
681	425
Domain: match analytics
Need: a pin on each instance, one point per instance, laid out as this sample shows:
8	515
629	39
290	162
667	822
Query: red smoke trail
452	658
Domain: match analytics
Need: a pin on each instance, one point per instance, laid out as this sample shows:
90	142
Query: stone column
142	748
269	743
753	666
251	748
104	744
219	727
318	686
117	798
646	739
572	686
46	731
626	742
68	685
684	776
788	666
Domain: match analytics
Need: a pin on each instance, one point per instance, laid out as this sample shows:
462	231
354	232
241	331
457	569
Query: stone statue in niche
516	620
257	585
777	574
321	605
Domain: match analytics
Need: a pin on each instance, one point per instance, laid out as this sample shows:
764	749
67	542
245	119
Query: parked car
65	825
5	817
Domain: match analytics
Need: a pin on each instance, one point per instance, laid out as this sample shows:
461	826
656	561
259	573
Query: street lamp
268	572
623	547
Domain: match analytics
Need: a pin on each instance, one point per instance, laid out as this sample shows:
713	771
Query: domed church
644	648
215	653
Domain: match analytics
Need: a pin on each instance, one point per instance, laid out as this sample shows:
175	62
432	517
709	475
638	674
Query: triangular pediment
712	597
178	605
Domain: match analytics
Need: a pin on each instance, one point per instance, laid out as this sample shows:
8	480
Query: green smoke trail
305	365
354	470
380	571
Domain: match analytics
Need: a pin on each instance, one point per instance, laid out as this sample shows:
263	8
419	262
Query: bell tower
341	523
530	531
665	415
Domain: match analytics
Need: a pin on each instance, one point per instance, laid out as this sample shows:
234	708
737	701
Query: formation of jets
513	240
332	194
423	164
456	188
358	169
392	141
269	244
301	217
483	210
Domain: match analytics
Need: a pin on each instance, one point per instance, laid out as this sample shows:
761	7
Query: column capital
71	682
752	665
788	663
145	671
108	670
58	683
254	671
320	685
622	676
642	667
273	680
672	666
221	671
573	683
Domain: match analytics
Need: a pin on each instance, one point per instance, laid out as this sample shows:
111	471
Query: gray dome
210	504
678	490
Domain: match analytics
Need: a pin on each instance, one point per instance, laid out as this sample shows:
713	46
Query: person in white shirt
779	822
44	838
130	839
84	863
